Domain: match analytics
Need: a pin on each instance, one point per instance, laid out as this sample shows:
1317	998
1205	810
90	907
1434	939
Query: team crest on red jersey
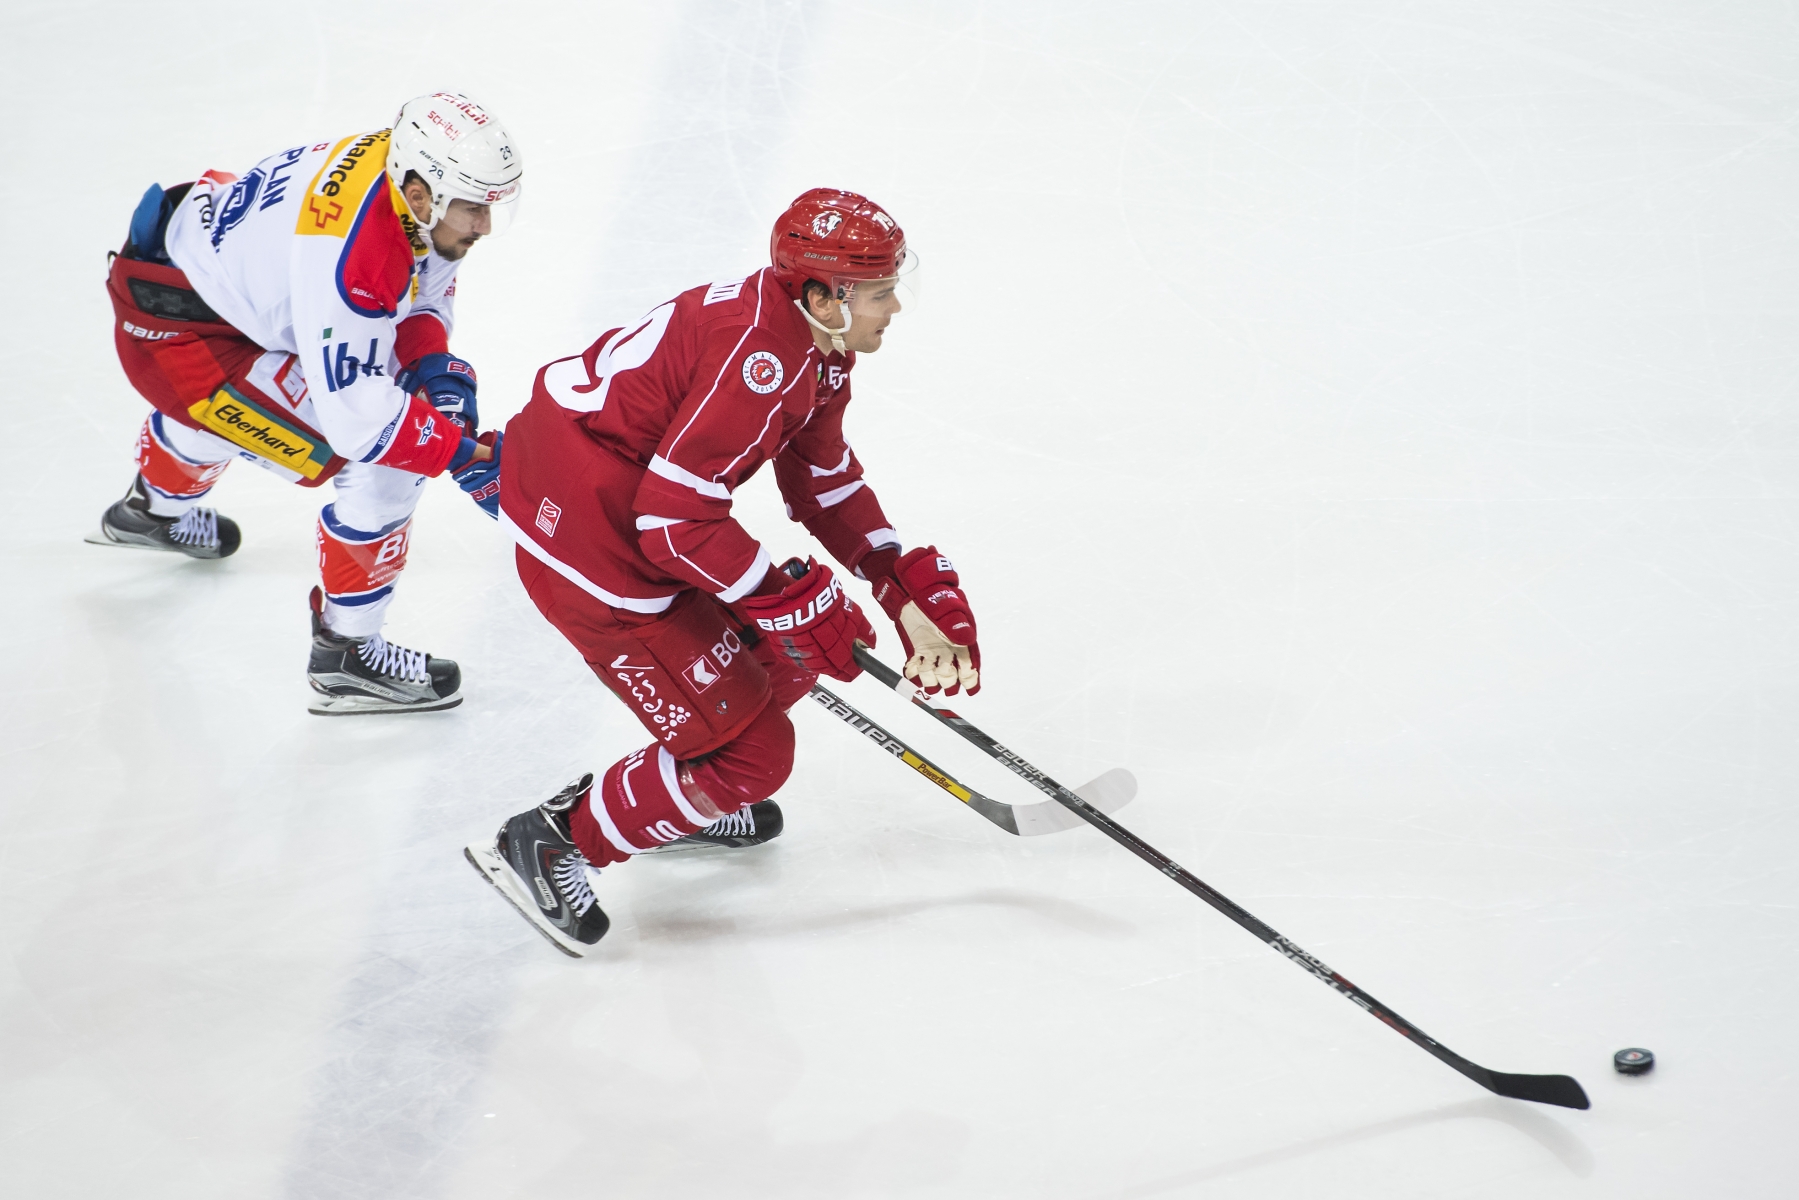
762	372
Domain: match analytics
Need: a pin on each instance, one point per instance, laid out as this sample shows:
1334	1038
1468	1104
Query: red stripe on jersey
424	442
374	268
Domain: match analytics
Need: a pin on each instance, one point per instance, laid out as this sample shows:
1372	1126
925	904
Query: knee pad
168	473
751	766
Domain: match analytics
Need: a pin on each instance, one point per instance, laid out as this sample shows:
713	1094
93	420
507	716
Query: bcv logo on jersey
708	669
702	673
343	373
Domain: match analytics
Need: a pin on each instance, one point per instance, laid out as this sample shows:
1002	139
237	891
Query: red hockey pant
723	739
362	536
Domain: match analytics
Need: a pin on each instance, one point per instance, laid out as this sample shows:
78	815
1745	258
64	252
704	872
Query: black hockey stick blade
1562	1090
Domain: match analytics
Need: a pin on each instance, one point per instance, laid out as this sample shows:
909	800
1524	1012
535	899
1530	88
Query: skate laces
197	527
570	875
741	823
382	656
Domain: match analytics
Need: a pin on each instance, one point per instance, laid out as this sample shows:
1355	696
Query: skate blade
99	538
364	706
493	869
684	847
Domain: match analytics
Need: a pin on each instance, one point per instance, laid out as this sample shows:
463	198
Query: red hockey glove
811	621
921	592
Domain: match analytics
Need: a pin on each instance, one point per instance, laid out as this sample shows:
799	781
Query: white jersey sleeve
437	291
313	252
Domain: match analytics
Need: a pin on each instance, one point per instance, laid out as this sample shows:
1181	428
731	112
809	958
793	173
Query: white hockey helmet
461	152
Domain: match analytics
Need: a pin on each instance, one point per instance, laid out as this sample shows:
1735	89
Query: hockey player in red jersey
299	317
617	488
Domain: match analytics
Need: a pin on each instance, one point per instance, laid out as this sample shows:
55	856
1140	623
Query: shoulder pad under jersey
351	198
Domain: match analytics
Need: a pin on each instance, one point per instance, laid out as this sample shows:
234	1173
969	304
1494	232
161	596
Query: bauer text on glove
810	620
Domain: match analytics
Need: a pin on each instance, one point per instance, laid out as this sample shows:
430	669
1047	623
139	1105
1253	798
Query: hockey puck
1633	1060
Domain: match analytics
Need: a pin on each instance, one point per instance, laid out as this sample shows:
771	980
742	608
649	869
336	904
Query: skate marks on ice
400	1068
1562	1143
1066	914
728	1037
421	1002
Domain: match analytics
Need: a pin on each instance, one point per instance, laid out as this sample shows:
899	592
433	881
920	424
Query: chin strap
836	335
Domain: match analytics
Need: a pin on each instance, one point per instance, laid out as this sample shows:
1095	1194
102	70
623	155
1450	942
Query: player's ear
418	195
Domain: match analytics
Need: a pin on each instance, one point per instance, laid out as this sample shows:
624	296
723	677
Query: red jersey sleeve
420	334
726	428
821	480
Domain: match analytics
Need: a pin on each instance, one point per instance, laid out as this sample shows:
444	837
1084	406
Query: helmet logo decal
462	104
762	372
827	234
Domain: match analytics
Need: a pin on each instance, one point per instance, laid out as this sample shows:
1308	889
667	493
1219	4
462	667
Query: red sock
648	799
177	478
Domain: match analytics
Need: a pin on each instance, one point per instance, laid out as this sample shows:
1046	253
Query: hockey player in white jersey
299	317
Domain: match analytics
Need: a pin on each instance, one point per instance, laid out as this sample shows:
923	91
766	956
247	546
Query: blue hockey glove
481	480
448	383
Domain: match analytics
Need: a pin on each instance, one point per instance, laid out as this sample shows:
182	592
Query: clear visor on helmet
473	219
873	299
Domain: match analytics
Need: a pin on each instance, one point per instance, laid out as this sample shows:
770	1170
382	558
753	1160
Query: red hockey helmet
836	238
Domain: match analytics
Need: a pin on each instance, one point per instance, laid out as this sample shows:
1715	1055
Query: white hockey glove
922	593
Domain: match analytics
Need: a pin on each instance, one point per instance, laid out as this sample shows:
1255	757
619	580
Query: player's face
872	305
463	224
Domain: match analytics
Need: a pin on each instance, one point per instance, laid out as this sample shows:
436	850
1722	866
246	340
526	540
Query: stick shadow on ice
1538	1126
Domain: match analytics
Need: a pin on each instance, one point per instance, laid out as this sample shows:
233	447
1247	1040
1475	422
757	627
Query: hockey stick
1561	1090
1107	793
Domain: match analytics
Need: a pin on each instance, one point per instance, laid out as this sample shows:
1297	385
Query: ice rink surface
1370	422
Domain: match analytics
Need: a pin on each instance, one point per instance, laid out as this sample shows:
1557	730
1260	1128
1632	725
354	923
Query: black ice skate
356	676
536	866
200	533
751	825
